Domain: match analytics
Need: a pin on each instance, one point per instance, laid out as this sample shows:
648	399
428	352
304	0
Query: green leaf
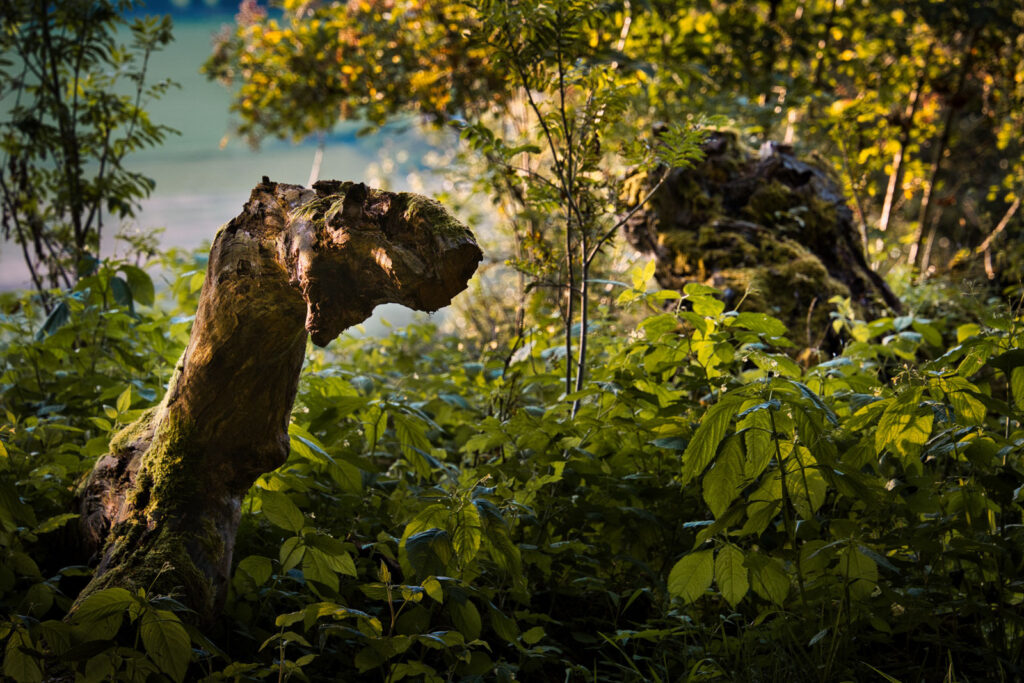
709	434
859	571
723	481
58	317
433	588
316	566
761	324
140	283
768	578
467	534
166	642
258	568
731	574
1017	387
102	604
904	427
55	522
412	438
121	293
532	636
691	576
124	401
281	511
19	664
291	553
505	626
466	618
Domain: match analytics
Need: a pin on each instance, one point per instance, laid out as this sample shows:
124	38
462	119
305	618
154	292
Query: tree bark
162	508
772	232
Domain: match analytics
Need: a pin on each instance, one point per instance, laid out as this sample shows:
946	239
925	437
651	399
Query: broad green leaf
709	434
768	578
723	481
427	552
969	410
708	306
56	522
505	626
258	568
532	636
140	283
904	427
19	664
122	293
691	576
316	566
757	437
124	401
103	604
166	642
859	571
467	534
281	511
291	553
411	434
433	588
1017	387
58	317
807	487
466	618
731	574
761	323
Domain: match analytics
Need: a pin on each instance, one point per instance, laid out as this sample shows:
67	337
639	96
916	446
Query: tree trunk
162	508
770	231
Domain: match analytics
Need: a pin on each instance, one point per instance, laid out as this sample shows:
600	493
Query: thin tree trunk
897	157
986	246
161	510
940	149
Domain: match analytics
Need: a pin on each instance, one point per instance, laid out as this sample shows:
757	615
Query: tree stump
767	229
162	508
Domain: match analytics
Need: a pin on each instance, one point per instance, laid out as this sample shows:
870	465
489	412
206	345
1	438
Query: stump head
350	248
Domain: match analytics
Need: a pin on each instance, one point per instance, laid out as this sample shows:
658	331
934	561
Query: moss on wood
771	231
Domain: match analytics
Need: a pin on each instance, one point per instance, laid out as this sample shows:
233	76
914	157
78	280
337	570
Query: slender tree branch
611	233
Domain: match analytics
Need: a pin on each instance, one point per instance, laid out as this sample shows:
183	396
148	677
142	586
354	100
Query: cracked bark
161	510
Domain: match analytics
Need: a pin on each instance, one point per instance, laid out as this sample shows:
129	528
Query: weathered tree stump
765	228
162	508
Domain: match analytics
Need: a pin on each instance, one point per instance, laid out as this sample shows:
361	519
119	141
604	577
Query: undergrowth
713	511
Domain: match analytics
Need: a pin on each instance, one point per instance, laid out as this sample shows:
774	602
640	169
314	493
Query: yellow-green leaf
691	576
702	447
166	642
731	574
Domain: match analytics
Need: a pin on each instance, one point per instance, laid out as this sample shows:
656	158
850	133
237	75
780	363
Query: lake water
202	183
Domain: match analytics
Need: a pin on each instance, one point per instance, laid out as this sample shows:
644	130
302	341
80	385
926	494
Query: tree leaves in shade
768	578
281	511
691	576
166	642
731	574
702	447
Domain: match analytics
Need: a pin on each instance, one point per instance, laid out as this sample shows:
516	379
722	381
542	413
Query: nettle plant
712	510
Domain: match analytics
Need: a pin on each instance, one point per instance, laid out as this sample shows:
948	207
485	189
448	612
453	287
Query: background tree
907	99
74	101
535	88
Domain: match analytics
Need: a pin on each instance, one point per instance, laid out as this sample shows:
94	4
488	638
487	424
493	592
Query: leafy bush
714	510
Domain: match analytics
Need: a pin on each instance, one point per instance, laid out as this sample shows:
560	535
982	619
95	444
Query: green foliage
713	509
74	107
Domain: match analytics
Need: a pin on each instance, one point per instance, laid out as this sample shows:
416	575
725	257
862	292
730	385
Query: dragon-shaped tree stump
162	508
